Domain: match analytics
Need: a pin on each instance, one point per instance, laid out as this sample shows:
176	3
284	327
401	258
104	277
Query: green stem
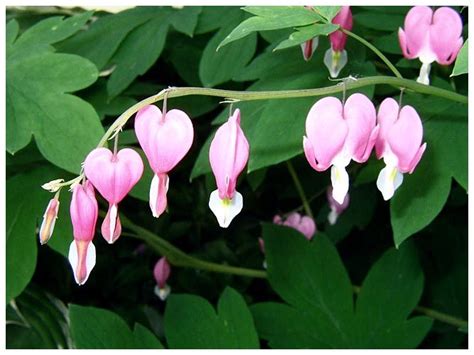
375	50
299	188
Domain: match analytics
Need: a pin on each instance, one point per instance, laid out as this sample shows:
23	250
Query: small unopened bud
53	185
161	272
303	224
49	220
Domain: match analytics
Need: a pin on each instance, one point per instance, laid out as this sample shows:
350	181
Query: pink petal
307	227
113	177
405	137
359	113
293	220
84	211
165	142
445	35
344	19
326	131
111	235
228	154
161	272
386	117
417	158
158	190
417	25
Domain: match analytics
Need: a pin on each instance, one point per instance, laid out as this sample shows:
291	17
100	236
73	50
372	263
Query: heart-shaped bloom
303	224
228	155
161	272
335	207
431	36
337	134
398	143
335	57
165	139
49	220
113	175
84	212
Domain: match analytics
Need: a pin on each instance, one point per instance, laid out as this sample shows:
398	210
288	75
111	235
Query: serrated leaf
310	276
306	33
271	18
461	65
65	127
218	67
191	323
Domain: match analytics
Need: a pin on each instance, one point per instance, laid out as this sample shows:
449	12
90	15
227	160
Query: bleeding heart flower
113	175
84	211
161	272
431	36
228	155
337	134
303	224
335	57
309	47
398	143
336	207
49	220
165	139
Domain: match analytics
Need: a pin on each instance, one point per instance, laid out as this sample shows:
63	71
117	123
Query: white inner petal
225	210
74	260
154	194
340	183
388	181
112	223
162	293
335	61
332	217
424	77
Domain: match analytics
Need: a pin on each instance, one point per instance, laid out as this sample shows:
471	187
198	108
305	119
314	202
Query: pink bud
165	141
228	155
113	175
336	207
431	36
344	19
49	220
309	47
261	244
84	211
398	143
303	224
337	134
161	272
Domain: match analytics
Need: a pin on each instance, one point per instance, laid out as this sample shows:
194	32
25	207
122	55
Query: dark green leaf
306	33
145	339
185	20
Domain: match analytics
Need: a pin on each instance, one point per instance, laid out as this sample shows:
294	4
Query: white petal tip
225	210
332	217
162	293
335	61
388	181
82	258
340	183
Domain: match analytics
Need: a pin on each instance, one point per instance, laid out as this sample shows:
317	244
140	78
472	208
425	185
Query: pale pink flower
113	175
337	134
49	220
165	139
303	224
335	57
431	36
161	272
84	212
228	155
398	143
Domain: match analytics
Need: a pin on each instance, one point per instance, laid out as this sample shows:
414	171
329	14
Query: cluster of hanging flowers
337	132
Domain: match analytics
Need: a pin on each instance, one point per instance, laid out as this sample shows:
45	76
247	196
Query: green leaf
311	278
185	20
147	41
23	215
12	31
328	12
191	322
461	65
389	22
145	339
218	67
270	18
306	33
65	127
96	328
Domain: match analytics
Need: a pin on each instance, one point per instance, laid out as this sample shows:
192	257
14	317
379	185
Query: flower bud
161	272
303	224
336	207
49	220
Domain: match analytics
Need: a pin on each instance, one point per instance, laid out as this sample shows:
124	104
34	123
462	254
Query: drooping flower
113	175
161	272
398	143
84	211
336	207
335	57
49	220
431	36
303	224
165	139
228	155
309	47
337	134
